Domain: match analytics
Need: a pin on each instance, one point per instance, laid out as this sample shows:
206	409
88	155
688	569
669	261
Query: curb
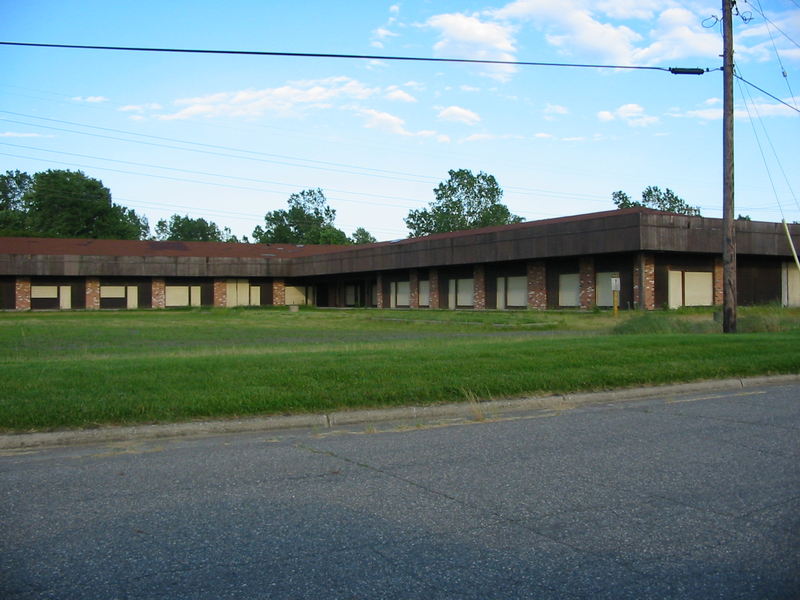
473	410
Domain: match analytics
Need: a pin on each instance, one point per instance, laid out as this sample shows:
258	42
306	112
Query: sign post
615	285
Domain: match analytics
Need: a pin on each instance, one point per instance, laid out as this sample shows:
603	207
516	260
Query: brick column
92	293
718	293
644	281
587	282
220	293
278	292
381	299
479	287
22	293
159	293
433	283
537	286
413	289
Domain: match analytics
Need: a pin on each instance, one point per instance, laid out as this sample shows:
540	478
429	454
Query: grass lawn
82	369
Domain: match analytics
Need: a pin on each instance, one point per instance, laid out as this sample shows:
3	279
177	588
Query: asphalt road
686	496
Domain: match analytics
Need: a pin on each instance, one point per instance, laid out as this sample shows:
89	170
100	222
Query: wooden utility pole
728	224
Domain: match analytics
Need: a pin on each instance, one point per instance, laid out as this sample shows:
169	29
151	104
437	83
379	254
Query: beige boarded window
299	295
791	284
177	295
113	291
602	287
402	294
425	293
569	290
698	288
65	297
690	288
517	291
44	291
255	295
465	292
133	296
238	292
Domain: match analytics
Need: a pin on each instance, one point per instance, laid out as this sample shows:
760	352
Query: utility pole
728	224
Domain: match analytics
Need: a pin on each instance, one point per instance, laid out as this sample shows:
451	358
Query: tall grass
84	369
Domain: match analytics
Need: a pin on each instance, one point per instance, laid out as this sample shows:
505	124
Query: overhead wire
341	56
761	150
778	56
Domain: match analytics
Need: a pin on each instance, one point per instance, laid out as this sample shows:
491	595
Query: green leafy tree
187	229
13	217
69	204
362	236
654	197
308	220
464	201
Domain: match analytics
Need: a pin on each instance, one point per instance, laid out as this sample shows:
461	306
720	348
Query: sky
231	137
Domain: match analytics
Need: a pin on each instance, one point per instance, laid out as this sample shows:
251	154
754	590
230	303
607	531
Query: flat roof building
660	259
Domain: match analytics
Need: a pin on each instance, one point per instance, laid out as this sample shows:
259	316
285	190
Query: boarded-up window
698	289
350	295
303	294
177	295
791	285
132	296
517	291
44	291
402	294
569	290
238	292
255	295
465	292
425	293
690	288
112	291
603	293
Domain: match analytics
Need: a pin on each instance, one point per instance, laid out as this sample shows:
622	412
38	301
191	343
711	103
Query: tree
13	187
362	236
308	220
70	204
464	201
187	229
653	197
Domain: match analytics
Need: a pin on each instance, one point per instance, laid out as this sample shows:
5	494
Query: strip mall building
661	259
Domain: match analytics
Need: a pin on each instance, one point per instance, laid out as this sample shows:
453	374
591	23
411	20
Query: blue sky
229	138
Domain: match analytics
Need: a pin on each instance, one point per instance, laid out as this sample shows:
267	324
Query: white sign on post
615	284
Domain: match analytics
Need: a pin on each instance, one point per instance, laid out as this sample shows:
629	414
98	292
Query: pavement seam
17	441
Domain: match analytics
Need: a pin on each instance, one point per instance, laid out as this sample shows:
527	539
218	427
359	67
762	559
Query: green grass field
83	369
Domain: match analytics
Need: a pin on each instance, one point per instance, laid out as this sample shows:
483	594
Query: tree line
69	204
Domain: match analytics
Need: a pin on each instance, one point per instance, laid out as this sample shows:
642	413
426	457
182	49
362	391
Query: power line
740	78
518	63
763	16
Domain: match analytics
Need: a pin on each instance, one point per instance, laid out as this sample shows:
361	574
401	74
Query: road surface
682	496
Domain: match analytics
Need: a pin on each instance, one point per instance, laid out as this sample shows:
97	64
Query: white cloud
15	134
460	115
556	109
761	109
469	88
543	136
139	108
605	115
632	114
393	93
294	97
590	28
90	99
393	124
487	137
464	36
